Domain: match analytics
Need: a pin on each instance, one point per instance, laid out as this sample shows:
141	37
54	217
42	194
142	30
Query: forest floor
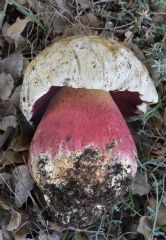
27	27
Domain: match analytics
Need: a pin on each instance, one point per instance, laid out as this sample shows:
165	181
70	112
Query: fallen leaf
131	230
159	149
54	226
4	136
144	227
1	238
15	219
76	29
22	233
140	185
2	44
57	24
90	20
9	121
161	212
15	96
23	183
4	177
84	4
5	233
6	109
54	14
44	235
62	4
158	9
5	27
6	86
22	139
13	65
156	123
14	31
10	157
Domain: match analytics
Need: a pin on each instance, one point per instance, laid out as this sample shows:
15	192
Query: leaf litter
13	32
141	26
23	184
15	219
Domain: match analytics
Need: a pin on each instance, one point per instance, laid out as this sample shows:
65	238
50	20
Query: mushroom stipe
81	153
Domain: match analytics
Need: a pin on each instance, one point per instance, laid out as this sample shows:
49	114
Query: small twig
123	26
158	13
102	1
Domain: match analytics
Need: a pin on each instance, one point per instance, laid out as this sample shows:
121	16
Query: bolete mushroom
82	154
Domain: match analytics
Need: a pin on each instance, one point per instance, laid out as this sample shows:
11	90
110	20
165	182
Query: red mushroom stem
80	138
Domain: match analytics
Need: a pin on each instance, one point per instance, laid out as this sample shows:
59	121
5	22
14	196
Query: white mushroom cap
86	62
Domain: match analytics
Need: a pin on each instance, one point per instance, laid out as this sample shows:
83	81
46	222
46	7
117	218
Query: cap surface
86	62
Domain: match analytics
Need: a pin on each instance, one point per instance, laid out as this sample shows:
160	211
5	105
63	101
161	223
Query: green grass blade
27	13
3	13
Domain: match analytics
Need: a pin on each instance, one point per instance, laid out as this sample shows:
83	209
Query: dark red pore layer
126	102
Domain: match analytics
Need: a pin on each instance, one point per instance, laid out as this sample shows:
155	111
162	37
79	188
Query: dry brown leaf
15	97
5	27
140	185
4	177
76	29
62	5
44	235
23	183
164	115
1	238
159	149
161	213
21	141
54	226
22	233
6	86
158	9
14	31
13	65
84	4
8	121
58	24
15	219
10	157
6	234
2	44
7	109
156	123
144	227
90	20
4	136
54	14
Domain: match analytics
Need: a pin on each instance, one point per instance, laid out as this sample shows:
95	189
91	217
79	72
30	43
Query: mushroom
82	155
